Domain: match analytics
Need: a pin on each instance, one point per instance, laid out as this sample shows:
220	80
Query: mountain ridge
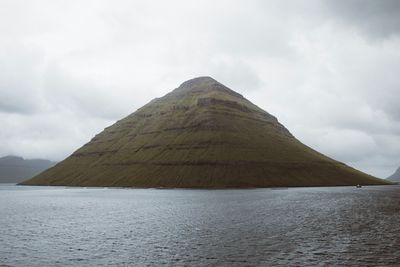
15	169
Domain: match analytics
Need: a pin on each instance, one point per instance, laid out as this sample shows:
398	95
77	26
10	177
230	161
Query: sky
328	69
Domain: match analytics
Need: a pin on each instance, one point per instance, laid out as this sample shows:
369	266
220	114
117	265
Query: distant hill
16	169
201	135
395	177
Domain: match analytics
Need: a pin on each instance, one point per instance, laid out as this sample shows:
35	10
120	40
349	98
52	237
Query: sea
321	226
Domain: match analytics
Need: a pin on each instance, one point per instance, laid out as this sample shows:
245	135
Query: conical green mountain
201	135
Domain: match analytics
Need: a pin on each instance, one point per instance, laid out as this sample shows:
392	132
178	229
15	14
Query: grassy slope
200	135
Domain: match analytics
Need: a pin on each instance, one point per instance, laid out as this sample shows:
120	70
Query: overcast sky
329	70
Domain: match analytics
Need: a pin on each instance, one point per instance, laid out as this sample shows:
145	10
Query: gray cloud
326	69
380	19
19	69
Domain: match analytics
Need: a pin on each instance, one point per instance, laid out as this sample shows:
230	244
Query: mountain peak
197	81
204	84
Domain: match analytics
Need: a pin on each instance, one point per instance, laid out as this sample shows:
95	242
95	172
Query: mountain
16	169
200	135
395	177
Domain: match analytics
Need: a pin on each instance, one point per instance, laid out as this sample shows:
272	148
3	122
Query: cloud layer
327	69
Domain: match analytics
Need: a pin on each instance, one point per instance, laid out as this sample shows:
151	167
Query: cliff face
395	177
16	169
201	135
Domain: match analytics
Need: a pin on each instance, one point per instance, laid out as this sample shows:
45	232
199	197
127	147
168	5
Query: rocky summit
200	135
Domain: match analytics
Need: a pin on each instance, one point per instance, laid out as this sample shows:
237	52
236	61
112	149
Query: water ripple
53	226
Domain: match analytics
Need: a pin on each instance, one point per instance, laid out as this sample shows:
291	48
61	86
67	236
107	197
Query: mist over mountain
395	177
201	135
15	169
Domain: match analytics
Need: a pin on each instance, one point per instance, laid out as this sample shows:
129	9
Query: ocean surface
61	226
